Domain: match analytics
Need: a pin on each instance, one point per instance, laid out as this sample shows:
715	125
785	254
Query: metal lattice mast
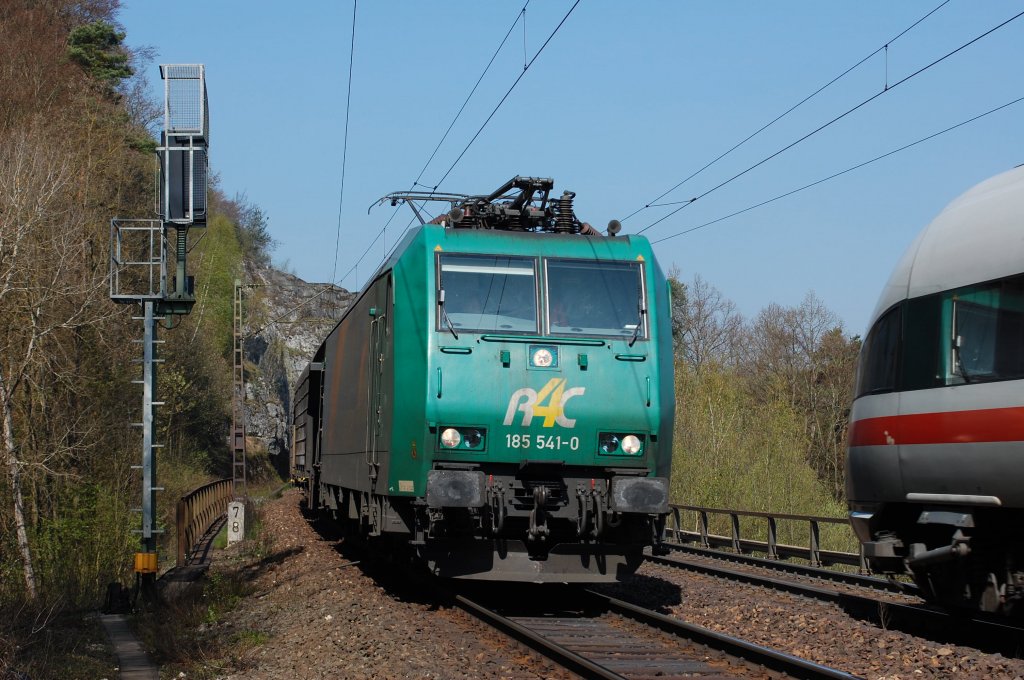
149	528
139	271
238	476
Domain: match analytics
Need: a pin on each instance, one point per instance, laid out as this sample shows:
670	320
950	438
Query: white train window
596	297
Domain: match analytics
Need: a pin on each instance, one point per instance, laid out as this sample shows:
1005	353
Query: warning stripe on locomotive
947	427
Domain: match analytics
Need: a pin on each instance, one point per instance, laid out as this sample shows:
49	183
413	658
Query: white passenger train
935	467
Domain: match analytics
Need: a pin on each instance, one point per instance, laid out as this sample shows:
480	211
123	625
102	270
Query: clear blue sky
626	100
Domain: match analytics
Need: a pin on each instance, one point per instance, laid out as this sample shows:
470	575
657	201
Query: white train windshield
968	334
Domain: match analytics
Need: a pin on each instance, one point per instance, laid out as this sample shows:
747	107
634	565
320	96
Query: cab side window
878	365
988	331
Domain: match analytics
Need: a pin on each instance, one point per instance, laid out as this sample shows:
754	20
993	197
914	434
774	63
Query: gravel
318	615
813	630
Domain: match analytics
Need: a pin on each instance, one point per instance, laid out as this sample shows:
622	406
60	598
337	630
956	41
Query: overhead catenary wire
330	286
833	121
283	317
521	16
344	144
325	289
841	172
652	202
416	182
526	67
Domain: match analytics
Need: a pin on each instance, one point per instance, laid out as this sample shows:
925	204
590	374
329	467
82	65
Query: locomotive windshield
595	298
489	293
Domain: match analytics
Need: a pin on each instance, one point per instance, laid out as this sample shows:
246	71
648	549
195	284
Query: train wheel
945	585
957	587
312	495
992	595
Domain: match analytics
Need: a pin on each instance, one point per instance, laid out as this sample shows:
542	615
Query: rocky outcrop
285	320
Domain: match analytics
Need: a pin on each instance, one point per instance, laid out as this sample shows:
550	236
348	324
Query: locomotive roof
510	243
978	237
519	243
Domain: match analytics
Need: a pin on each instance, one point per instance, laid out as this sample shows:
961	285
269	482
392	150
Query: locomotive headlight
450	438
620	444
542	358
472	438
464	438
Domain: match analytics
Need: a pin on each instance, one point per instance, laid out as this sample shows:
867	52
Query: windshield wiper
960	361
444	314
639	325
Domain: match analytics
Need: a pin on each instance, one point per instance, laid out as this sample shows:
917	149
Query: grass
220	541
249	639
181	634
45	645
268	489
45	642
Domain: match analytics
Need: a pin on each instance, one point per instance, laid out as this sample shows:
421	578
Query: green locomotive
499	397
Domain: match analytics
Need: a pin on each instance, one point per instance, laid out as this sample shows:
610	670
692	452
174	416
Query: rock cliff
284	321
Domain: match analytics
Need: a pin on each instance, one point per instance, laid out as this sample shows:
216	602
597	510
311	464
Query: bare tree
712	328
801	355
142	110
31	183
45	291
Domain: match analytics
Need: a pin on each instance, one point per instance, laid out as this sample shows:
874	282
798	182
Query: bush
733	452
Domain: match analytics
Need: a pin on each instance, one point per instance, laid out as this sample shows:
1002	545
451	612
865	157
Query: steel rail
554	651
736	648
793	587
772	659
859	580
981	632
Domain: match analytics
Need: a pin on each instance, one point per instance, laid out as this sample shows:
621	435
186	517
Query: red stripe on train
951	427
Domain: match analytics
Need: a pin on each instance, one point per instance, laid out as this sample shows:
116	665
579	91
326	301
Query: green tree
678	310
98	47
254	234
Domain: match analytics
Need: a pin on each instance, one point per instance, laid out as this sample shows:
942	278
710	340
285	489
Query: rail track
795	569
597	636
988	634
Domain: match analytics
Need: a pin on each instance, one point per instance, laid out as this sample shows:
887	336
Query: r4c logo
531	403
